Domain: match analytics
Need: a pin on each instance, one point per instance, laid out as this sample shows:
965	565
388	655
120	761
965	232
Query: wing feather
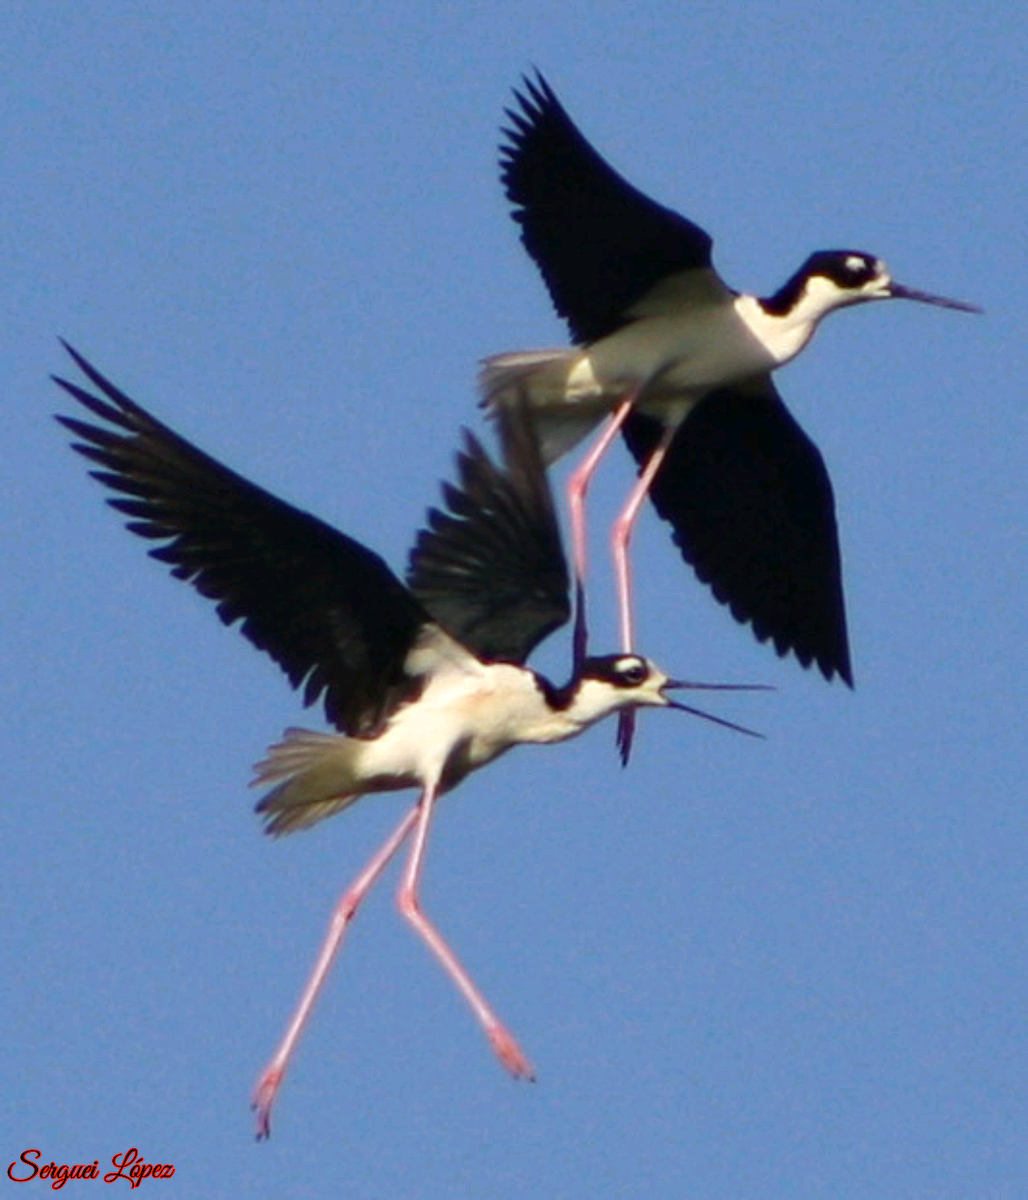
752	508
600	243
325	608
490	567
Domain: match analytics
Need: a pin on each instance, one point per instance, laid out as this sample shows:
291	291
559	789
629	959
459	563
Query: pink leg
621	536
503	1044
578	484
271	1079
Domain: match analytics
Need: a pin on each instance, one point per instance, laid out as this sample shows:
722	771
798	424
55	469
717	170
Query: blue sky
786	968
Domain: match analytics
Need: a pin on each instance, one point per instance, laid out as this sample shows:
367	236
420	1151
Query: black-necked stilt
684	364
426	683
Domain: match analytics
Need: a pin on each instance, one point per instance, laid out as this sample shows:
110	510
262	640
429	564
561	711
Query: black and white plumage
685	365
425	682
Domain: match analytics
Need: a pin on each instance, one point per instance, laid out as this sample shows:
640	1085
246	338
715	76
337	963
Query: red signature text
128	1166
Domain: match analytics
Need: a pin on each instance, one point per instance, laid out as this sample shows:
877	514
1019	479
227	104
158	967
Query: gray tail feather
541	375
503	376
315	776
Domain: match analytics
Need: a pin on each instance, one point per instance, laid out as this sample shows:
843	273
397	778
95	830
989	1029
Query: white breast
486	711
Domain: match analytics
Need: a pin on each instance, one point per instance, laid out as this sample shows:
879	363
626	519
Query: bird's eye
860	268
632	671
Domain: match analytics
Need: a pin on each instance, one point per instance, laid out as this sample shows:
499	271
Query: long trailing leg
578	484
503	1044
271	1078
624	527
621	536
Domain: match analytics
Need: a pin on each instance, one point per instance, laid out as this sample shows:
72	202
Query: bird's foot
509	1053
263	1098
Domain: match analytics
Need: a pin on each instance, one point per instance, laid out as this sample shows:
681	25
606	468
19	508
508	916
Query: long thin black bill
698	712
719	687
905	293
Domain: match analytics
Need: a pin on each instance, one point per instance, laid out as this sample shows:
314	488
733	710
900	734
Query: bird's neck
581	703
785	332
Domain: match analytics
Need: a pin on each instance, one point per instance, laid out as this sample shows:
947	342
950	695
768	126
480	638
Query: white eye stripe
629	671
628	662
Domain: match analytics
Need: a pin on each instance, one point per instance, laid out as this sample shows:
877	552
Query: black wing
492	570
749	499
327	610
599	242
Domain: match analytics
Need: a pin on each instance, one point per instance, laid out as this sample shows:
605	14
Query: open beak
626	719
900	292
683	684
698	712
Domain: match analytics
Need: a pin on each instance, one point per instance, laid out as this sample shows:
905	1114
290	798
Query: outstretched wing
600	244
751	505
325	608
491	568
